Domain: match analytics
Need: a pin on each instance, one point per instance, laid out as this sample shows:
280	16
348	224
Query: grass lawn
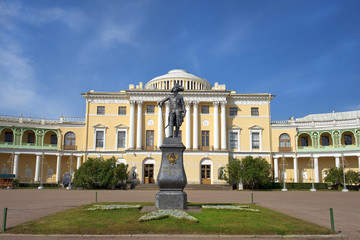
125	221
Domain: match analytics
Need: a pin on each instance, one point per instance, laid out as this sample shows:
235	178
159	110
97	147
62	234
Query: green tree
97	172
254	173
352	177
335	176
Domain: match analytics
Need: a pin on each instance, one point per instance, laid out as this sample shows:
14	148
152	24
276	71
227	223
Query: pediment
235	127
256	127
121	126
99	126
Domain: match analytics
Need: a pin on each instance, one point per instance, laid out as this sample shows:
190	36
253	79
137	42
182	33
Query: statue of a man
177	109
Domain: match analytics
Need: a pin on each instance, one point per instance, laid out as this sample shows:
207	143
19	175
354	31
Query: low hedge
36	185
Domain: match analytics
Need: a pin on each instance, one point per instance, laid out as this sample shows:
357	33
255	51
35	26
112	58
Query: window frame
150	108
122	110
255	111
7	134
99	140
122	131
100	110
69	146
205	109
205	140
231	111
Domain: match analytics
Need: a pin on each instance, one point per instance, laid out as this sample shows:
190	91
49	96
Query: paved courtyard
24	205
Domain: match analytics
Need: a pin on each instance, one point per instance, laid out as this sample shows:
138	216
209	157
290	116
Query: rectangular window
233	140
53	139
121	139
325	141
8	137
348	139
233	111
205	140
31	138
149	139
122	111
254	111
100	110
255	140
99	139
150	108
205	109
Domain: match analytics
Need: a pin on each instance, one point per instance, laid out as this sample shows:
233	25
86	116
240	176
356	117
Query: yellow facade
130	126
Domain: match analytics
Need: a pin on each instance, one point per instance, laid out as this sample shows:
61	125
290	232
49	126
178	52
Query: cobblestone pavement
28	204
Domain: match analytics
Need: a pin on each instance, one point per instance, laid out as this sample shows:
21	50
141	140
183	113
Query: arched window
69	141
285	140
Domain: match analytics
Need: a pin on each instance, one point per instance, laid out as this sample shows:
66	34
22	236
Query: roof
330	116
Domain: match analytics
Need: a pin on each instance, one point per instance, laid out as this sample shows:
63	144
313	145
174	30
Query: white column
188	125
160	127
167	112
337	162
195	124
132	125
216	125
223	126
16	165
37	168
276	169
296	177
139	126
316	169
58	168
78	164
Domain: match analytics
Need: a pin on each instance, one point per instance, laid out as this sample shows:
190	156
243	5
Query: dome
180	76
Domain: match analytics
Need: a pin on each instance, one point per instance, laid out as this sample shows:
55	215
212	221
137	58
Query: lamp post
343	163
70	171
311	164
284	165
41	173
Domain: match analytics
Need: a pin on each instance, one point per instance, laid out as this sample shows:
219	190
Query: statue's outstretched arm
161	103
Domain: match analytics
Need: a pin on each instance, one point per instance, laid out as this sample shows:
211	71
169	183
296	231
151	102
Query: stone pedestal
171	178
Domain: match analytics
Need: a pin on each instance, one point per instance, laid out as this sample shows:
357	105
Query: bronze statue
177	109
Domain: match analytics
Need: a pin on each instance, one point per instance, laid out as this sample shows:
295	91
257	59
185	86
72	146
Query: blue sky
305	52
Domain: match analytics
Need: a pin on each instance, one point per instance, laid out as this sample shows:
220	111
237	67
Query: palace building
219	124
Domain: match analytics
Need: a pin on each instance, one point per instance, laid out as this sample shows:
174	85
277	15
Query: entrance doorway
148	173
205	174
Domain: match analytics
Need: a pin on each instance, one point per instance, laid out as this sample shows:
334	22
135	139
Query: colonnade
38	166
315	167
189	128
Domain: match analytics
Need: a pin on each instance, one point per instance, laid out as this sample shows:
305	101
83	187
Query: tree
352	177
254	173
97	172
335	176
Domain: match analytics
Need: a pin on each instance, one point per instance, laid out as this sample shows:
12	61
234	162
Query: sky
306	52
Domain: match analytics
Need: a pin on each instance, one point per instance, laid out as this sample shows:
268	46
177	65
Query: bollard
252	198
332	219
4	220
95	196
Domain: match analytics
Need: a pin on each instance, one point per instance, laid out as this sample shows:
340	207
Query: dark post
95	196
332	219
4	220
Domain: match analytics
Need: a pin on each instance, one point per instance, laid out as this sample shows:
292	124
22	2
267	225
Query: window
255	140
254	111
150	108
69	141
285	140
53	139
31	138
8	137
149	139
100	110
325	141
233	111
122	111
205	109
121	139
4	170
99	139
233	140
304	141
348	139
205	140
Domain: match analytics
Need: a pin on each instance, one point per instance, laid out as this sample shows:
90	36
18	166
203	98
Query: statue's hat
177	88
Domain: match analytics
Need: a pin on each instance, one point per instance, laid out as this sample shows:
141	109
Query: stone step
188	187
